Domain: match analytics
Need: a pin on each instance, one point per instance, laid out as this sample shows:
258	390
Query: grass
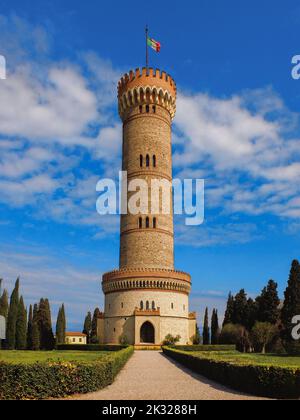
252	359
30	357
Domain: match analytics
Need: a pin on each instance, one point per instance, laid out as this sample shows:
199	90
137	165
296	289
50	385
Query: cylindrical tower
147	107
146	299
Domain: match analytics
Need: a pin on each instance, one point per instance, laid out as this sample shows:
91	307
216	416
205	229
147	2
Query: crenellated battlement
147	85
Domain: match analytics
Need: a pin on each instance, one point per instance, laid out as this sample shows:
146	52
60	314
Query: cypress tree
250	314
268	304
48	336
21	326
29	329
228	319
4	304
12	317
215	330
61	326
36	334
291	306
87	328
64	323
197	336
240	308
94	332
206	333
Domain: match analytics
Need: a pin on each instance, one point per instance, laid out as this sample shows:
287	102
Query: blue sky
237	126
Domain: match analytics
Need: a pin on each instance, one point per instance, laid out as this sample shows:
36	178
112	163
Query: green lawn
42	356
255	359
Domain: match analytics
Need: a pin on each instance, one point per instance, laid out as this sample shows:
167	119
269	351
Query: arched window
147	222
154	109
154	161
147	305
172	305
153	305
141	305
154	222
147	109
141	109
147	161
140	223
141	161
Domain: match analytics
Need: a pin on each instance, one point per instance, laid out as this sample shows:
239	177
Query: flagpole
147	52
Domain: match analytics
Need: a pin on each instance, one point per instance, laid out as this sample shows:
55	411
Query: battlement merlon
147	86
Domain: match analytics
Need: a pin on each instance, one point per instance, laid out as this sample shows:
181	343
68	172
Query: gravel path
149	375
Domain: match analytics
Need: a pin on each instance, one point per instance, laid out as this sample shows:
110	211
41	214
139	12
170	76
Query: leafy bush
170	340
266	381
54	379
203	348
90	347
123	340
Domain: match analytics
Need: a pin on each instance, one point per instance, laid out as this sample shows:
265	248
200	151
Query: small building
76	338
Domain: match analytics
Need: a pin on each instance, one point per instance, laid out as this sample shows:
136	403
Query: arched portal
147	333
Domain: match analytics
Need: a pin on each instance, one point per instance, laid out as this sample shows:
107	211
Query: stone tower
146	299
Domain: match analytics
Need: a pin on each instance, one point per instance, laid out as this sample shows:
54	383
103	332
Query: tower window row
147	306
147	109
147	161
147	222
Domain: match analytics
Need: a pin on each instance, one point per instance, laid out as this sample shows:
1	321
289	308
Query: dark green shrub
54	379
202	347
90	347
265	381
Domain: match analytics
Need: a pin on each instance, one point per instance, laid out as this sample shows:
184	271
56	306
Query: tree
262	334
170	340
291	306
36	334
3	302
240	308
215	330
206	332
94	332
87	328
268	304
61	326
228	319
45	325
12	317
250	314
197	337
231	334
21	326
29	328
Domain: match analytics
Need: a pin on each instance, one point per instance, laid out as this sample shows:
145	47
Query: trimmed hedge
264	381
90	347
54	379
206	348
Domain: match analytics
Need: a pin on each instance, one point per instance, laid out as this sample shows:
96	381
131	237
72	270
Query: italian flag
153	44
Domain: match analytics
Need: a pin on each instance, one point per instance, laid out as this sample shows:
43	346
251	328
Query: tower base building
146	299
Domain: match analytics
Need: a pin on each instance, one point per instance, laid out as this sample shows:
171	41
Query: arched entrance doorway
147	333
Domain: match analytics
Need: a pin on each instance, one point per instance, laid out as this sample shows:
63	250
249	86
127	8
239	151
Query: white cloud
244	148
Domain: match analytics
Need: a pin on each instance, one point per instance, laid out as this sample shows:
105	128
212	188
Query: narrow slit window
154	161
147	306
140	223
153	305
142	305
141	161
147	161
141	109
154	222
147	109
147	222
154	109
